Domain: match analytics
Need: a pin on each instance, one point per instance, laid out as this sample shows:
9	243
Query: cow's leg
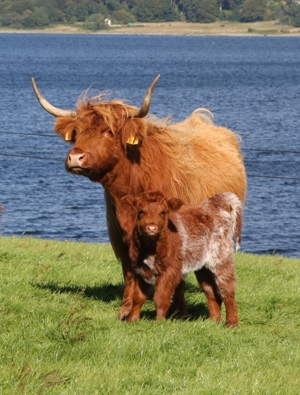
206	280
139	297
121	251
129	288
130	280
165	288
134	296
226	283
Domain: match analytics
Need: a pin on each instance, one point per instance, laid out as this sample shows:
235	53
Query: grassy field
183	28
59	332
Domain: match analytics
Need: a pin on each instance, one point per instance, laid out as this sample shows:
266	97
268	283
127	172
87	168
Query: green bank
60	335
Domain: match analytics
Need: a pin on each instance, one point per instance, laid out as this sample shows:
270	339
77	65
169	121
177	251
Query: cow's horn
57	112
143	111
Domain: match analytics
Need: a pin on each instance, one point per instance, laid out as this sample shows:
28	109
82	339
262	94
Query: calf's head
148	213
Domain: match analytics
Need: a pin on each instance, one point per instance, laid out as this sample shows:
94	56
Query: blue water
251	84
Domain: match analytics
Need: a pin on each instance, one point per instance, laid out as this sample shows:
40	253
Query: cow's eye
163	213
109	132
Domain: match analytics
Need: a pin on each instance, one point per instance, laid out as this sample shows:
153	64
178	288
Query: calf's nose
151	228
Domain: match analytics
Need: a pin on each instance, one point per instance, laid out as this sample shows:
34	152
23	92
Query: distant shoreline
267	28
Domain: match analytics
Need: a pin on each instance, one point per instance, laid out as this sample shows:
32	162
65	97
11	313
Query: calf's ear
174	204
126	215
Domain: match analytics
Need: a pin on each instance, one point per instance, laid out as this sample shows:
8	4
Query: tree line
95	14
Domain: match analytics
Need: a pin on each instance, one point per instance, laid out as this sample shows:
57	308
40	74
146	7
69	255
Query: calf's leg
206	280
226	283
166	285
178	306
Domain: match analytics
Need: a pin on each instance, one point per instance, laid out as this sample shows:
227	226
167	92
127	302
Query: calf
167	240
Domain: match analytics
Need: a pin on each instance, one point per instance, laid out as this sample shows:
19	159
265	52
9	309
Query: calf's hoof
124	312
232	324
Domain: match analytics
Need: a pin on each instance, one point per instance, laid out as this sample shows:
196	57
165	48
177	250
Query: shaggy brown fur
191	160
168	240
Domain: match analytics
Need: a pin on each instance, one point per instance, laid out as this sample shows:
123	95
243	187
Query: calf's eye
141	213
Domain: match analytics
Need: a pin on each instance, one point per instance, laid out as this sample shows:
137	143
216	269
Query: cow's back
194	160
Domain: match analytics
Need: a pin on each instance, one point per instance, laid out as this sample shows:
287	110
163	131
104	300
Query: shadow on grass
108	293
197	310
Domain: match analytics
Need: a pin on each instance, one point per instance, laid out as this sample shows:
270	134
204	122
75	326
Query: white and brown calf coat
168	239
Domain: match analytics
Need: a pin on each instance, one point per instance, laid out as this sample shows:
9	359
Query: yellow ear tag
132	141
68	136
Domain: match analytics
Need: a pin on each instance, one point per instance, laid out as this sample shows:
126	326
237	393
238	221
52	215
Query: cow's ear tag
68	136
132	140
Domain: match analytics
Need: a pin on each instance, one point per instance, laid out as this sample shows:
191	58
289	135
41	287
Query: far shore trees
19	14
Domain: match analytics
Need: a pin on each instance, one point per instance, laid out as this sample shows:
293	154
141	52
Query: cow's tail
236	213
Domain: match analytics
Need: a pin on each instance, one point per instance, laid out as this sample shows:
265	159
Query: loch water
251	85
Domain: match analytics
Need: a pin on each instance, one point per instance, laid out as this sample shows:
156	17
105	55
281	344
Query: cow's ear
64	126
175	204
126	215
133	132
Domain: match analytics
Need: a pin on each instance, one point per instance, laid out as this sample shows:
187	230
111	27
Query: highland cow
128	152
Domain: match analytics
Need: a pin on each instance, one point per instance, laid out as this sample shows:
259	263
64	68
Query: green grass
269	32
59	333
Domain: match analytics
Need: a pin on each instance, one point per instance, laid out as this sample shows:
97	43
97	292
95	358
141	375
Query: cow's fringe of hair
110	110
